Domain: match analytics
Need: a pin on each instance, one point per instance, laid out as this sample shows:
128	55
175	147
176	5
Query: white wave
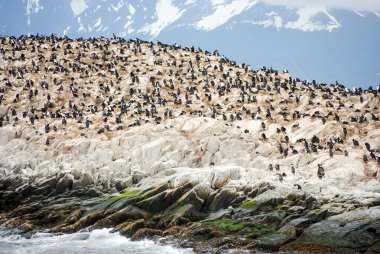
94	242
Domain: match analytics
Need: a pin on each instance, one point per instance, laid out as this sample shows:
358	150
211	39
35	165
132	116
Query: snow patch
131	9
66	30
81	26
166	13
116	20
362	5
189	2
78	6
129	22
223	12
32	7
117	7
98	22
306	20
274	20
360	14
217	2
97	8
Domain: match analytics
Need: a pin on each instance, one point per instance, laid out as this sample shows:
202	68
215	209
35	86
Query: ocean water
100	241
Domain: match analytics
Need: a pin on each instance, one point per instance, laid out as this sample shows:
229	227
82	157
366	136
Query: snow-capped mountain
322	40
130	17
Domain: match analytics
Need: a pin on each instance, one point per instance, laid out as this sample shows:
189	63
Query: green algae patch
240	227
128	195
248	204
227	224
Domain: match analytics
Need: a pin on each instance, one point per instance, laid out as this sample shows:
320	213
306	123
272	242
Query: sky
322	40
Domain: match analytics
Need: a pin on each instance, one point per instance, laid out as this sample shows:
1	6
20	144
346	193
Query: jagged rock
87	179
85	221
77	185
192	198
129	228
163	200
181	215
129	213
64	184
144	233
50	182
223	199
24	190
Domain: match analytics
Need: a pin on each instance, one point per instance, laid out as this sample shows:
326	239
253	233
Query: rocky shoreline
211	204
190	216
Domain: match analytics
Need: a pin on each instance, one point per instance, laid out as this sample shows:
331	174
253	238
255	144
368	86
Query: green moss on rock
128	194
243	227
248	204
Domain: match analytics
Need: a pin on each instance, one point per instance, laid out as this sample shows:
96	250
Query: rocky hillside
184	135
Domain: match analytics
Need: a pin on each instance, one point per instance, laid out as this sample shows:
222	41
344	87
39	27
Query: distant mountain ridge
152	17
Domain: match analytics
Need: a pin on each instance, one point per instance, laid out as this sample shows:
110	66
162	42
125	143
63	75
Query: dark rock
137	177
122	184
86	221
355	229
192	198
143	233
51	182
64	184
129	228
274	217
272	242
223	199
130	213
163	200
181	215
24	190
93	192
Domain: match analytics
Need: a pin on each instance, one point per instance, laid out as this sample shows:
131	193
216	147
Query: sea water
100	241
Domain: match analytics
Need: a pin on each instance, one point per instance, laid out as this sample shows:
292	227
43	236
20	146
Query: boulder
356	229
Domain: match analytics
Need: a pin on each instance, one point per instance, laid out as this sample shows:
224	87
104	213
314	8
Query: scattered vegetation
231	225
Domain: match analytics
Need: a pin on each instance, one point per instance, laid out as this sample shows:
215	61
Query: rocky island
184	146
